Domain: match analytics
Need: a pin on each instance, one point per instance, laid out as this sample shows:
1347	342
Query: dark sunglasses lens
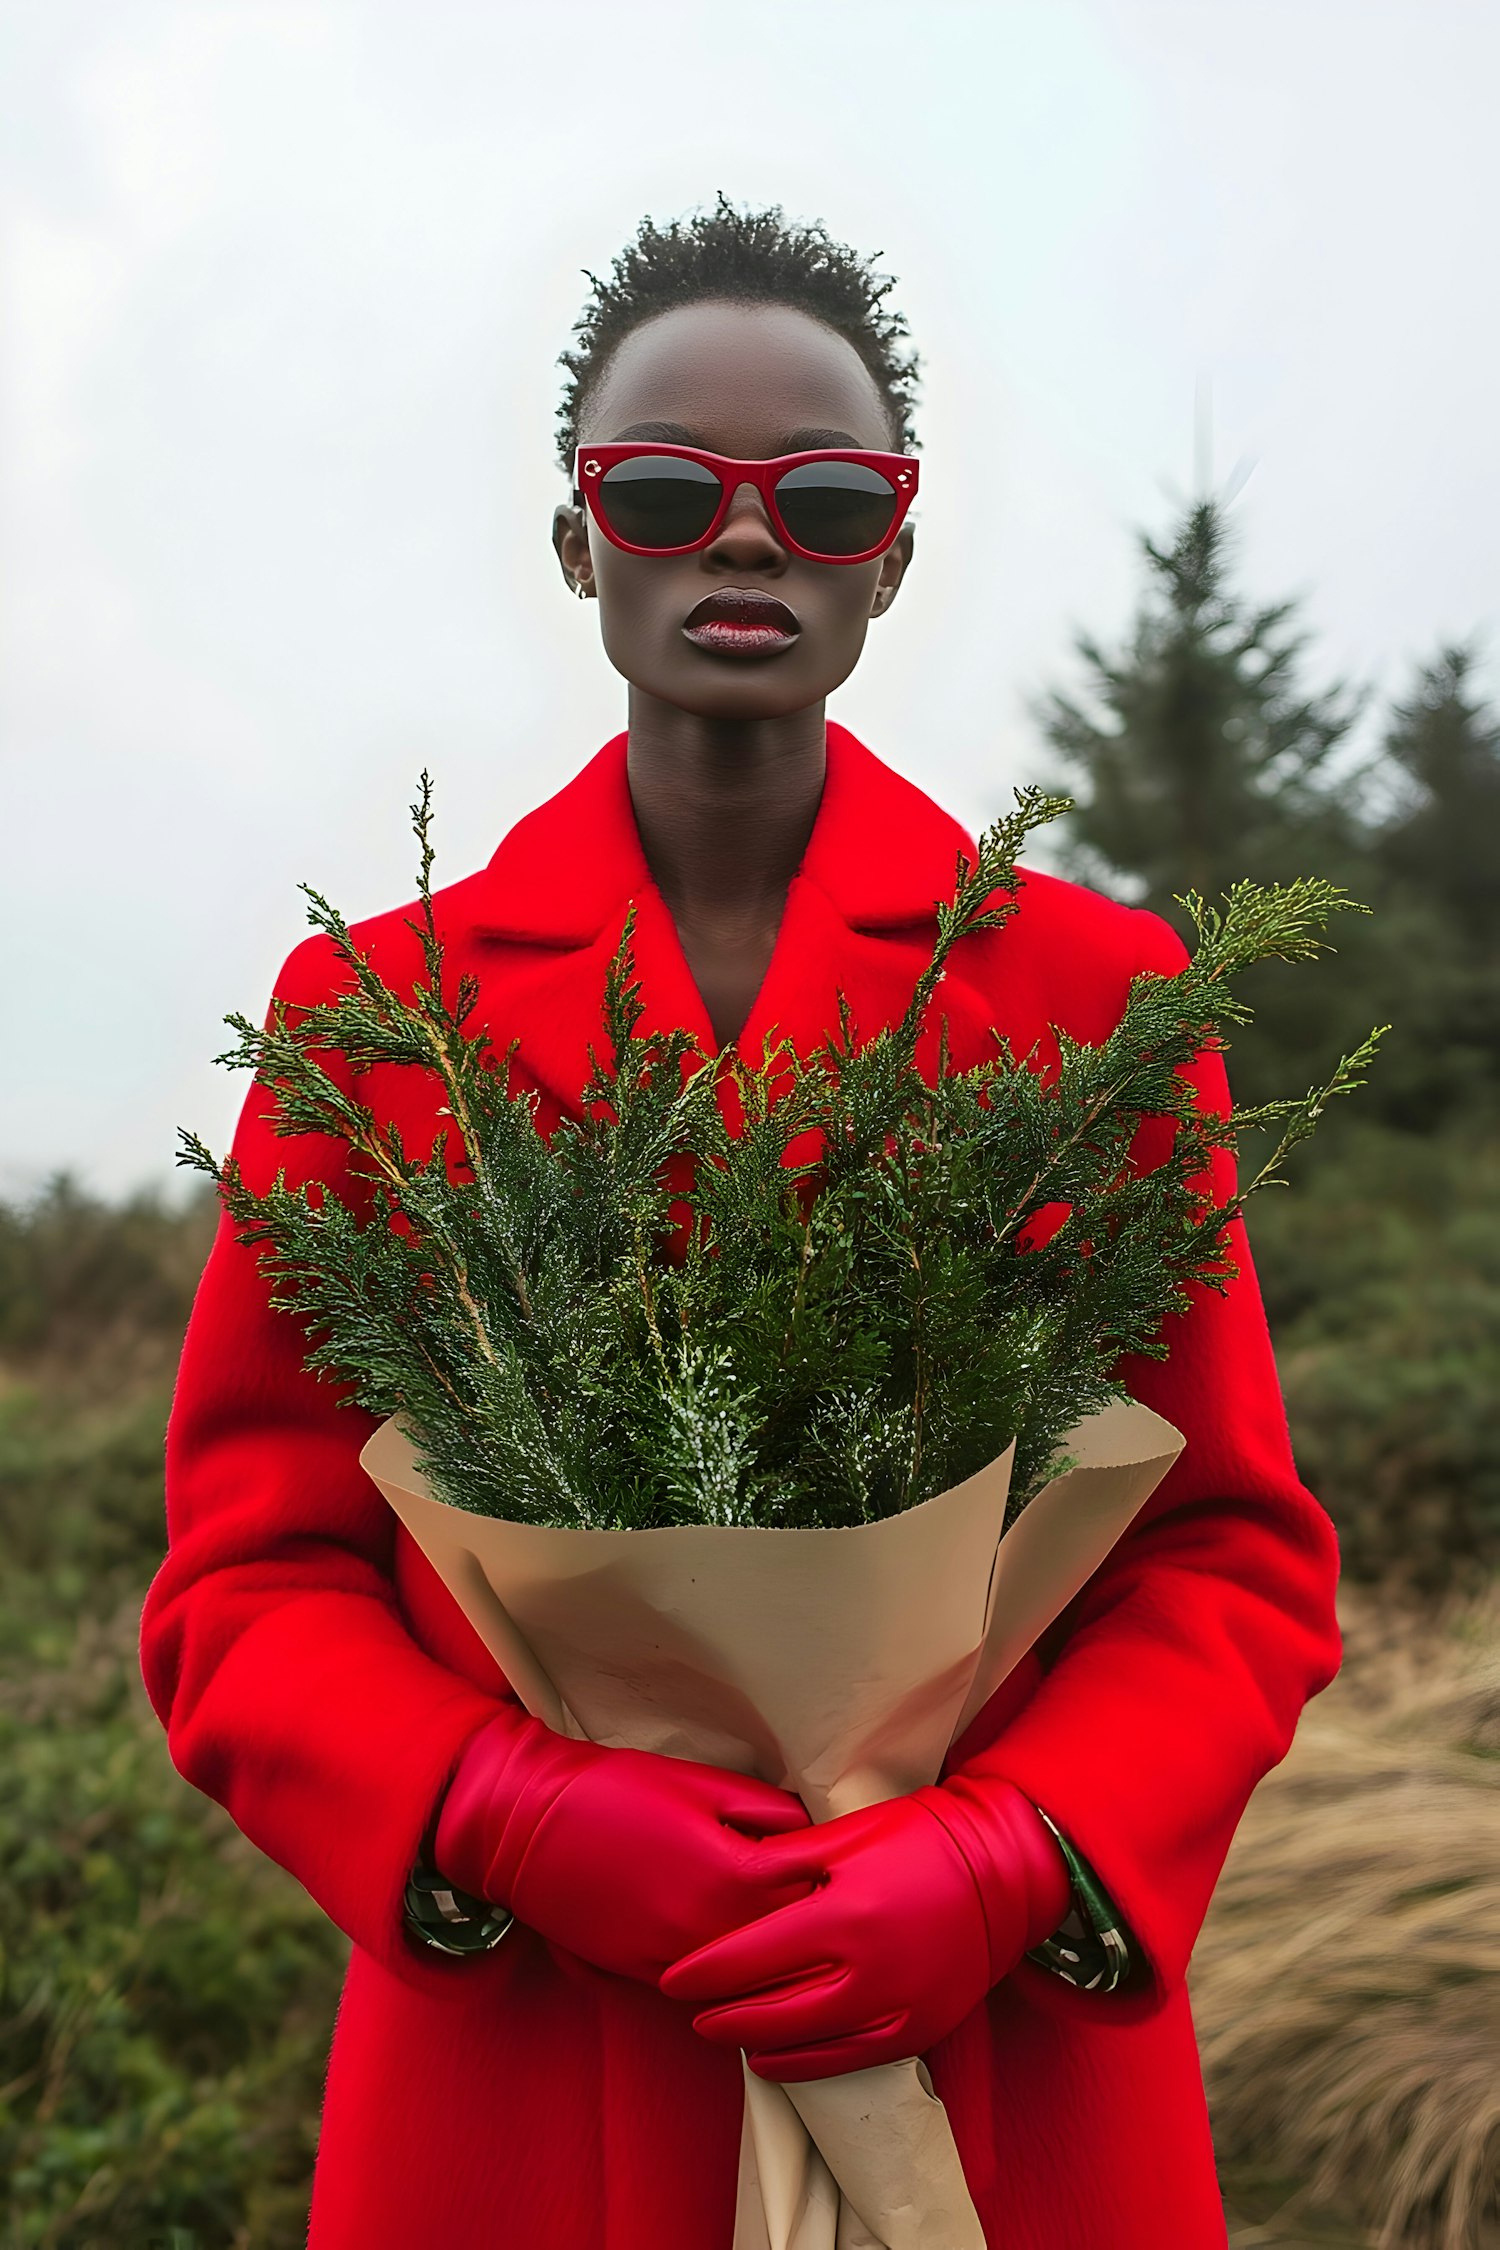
655	500
836	507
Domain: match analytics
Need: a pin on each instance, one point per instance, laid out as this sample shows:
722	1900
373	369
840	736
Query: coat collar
881	851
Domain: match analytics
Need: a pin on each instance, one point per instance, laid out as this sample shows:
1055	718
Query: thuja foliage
805	1290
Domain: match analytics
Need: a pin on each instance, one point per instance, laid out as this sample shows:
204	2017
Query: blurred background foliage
1198	753
166	1995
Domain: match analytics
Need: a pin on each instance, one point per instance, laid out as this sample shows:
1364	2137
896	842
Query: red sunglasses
668	499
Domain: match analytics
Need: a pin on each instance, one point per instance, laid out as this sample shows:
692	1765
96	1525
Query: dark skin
726	753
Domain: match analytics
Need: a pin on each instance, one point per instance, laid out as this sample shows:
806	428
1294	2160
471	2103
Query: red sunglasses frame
592	462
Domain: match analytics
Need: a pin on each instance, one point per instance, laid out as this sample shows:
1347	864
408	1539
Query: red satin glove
625	1858
922	1905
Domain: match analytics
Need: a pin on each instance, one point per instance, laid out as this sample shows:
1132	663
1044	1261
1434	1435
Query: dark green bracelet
448	1920
1090	1947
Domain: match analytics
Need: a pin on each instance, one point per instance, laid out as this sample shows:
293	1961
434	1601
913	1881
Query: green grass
165	1993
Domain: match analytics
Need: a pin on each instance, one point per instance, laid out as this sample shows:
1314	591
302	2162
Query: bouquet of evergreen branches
557	1320
766	1411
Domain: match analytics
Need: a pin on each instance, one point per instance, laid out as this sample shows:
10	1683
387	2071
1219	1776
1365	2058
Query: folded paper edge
389	1458
1124	1440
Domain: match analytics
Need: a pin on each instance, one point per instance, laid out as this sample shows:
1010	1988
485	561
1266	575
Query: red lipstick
740	621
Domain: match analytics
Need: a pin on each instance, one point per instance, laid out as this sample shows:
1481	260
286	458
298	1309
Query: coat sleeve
1175	1678
272	1644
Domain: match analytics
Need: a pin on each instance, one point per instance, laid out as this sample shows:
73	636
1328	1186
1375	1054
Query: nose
747	537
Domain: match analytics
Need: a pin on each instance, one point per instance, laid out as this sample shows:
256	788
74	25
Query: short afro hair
741	257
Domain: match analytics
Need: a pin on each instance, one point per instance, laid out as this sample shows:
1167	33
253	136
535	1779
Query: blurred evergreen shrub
74	1267
165	1993
1382	1279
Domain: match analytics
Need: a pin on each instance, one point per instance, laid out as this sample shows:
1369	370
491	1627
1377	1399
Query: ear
894	564
570	542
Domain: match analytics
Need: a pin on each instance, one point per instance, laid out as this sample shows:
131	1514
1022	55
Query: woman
559	1951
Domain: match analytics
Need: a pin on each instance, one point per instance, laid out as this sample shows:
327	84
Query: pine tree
1195	754
1445	838
1198	756
1437	864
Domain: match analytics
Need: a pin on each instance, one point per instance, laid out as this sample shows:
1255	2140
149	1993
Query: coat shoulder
314	970
1065	958
1068	920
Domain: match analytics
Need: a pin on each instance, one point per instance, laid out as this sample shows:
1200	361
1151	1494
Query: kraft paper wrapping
839	1664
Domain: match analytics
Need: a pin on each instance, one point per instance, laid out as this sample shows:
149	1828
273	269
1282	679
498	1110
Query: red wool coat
316	1678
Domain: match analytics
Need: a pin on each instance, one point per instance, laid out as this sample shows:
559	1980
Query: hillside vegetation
166	1994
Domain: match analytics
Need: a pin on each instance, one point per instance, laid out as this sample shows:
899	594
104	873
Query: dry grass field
1347	1984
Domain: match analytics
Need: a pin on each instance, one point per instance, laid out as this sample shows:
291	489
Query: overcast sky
282	289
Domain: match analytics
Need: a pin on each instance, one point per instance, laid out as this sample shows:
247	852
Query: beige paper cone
829	1662
789	2198
836	1663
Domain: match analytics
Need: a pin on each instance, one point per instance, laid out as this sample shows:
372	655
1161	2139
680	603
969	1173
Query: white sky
282	288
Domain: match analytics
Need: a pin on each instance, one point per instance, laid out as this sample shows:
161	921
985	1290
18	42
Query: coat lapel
858	920
550	914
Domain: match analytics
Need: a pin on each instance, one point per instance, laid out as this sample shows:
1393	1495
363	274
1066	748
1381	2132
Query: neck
724	806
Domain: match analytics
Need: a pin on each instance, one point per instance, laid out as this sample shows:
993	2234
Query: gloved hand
922	1905
625	1858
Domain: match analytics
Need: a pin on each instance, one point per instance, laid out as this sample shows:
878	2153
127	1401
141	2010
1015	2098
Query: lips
742	606
739	621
